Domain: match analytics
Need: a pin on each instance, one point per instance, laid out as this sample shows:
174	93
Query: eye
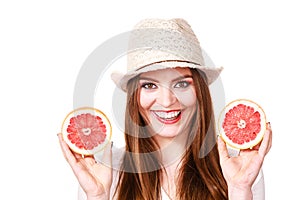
182	84
149	86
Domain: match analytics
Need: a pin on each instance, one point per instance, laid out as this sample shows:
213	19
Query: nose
166	97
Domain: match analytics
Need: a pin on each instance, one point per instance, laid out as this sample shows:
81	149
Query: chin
167	131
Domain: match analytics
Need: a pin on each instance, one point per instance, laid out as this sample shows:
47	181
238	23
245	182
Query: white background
43	45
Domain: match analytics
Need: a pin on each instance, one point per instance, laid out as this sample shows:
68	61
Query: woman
169	121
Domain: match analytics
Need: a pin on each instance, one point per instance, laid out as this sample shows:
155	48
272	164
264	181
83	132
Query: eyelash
149	85
186	84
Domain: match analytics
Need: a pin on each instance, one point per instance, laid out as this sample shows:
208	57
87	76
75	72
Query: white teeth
167	115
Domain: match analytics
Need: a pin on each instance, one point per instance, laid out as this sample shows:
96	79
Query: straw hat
158	44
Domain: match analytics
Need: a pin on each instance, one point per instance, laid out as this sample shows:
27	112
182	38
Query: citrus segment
242	124
86	130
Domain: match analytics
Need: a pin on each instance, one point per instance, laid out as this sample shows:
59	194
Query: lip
172	116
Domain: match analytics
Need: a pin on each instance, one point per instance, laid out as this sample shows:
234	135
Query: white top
258	188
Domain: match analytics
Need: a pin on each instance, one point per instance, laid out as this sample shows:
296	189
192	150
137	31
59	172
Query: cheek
146	100
187	98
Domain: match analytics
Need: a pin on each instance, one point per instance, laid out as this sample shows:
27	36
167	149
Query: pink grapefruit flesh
86	130
242	124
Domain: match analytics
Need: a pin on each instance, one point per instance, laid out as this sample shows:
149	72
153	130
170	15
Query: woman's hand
240	172
94	178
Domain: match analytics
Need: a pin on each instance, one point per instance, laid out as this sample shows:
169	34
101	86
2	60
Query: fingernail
269	124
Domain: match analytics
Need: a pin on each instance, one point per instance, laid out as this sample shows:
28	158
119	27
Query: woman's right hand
94	178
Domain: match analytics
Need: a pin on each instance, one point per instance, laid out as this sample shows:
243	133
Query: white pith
241	123
86	131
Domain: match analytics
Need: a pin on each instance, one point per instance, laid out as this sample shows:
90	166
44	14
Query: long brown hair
200	175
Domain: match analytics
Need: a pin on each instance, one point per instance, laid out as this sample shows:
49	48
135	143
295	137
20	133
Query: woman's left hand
241	171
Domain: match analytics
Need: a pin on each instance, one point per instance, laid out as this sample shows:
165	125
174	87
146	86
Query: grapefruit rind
85	110
258	138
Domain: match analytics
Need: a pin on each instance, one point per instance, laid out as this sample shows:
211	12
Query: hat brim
121	79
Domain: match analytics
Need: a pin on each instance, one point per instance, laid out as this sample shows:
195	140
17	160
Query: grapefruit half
86	130
242	124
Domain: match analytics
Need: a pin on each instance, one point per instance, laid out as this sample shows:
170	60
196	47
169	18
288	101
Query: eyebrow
174	80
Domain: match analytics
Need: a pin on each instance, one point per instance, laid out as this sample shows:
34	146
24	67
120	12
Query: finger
271	137
85	160
69	156
269	129
223	152
256	147
266	142
72	157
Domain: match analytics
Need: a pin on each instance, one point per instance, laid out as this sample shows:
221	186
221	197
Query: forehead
178	71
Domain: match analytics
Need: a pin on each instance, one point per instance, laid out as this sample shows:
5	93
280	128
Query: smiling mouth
168	117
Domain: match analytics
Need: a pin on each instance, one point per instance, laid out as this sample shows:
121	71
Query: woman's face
168	99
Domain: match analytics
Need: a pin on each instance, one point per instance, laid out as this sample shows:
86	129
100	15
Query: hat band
158	62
